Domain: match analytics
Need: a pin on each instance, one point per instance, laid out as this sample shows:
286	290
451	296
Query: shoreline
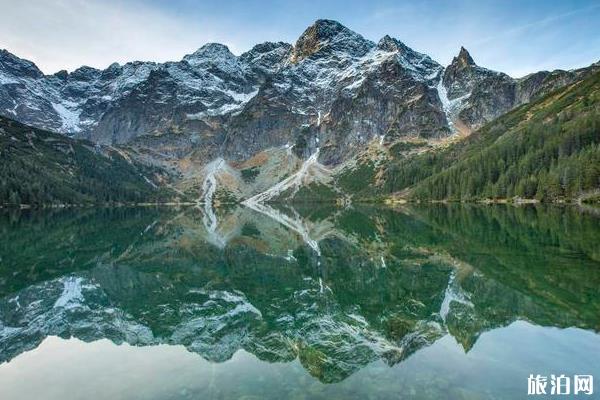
384	202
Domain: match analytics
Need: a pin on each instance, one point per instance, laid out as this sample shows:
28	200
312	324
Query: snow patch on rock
69	116
450	107
71	295
452	294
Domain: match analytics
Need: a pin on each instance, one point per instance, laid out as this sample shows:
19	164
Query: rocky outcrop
483	95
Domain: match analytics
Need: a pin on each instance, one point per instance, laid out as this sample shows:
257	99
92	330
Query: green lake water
311	302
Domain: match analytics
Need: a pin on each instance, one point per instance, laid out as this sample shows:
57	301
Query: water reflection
333	291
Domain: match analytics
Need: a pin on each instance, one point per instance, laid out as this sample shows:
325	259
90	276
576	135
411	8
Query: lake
311	302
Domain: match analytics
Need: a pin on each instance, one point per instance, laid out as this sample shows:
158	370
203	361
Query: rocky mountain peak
268	56
85	73
114	66
388	43
325	29
11	64
266	47
210	52
113	71
328	34
462	74
463	59
62	74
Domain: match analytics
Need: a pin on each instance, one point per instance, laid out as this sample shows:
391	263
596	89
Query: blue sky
516	37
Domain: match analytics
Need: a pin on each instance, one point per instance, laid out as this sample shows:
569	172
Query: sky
516	37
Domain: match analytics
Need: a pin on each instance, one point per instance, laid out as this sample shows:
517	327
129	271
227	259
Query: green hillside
43	168
547	150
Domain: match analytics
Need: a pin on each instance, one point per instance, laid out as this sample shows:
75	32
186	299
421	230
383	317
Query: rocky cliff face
478	95
332	91
332	77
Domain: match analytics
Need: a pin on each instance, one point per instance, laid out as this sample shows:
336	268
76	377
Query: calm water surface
448	302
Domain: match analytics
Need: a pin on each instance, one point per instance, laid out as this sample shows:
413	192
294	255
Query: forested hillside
38	167
548	150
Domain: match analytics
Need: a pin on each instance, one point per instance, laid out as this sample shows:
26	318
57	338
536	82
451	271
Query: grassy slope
38	167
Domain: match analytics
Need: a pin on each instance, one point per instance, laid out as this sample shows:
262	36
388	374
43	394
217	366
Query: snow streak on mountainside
450	107
309	171
208	191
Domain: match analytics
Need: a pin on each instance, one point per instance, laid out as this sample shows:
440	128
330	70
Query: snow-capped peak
210	53
267	57
11	64
420	65
388	43
329	35
85	73
266	93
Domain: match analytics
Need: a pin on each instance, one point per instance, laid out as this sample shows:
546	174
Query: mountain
38	167
548	150
314	109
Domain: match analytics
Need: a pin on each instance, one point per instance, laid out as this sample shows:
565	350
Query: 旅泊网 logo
560	385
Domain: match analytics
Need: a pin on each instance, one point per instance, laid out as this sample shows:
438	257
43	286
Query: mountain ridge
213	84
330	99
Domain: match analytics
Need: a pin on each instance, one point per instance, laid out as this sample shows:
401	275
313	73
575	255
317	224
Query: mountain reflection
335	288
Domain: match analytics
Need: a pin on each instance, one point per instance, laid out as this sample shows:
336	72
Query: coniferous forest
38	167
547	150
